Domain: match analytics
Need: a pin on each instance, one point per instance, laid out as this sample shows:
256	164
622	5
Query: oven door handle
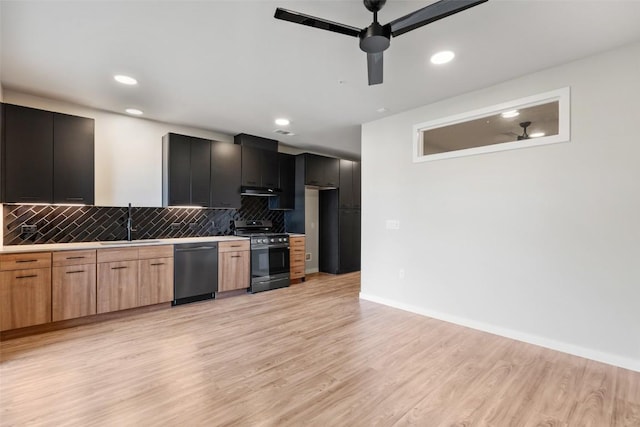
284	245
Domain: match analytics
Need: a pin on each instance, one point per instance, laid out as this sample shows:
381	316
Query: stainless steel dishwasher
195	272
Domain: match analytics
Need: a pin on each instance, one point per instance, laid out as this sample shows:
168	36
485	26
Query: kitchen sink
130	242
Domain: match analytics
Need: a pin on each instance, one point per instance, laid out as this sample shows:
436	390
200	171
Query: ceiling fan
375	38
525	135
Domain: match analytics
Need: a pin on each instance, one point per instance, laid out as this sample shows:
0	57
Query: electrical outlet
307	256
28	229
175	226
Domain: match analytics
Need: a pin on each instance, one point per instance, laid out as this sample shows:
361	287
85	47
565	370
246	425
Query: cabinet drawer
163	251
296	241
22	261
296	273
233	246
117	254
296	259
74	258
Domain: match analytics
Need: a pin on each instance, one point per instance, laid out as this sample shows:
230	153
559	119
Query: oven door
269	261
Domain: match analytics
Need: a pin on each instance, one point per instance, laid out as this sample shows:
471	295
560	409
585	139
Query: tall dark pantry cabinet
340	222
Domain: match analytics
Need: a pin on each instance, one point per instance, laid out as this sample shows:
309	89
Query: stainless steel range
269	254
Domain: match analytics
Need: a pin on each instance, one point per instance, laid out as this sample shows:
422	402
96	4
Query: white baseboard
599	356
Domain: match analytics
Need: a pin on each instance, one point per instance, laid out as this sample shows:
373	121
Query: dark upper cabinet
73	159
46	157
226	161
186	170
357	185
270	169
251	167
286	198
321	171
259	168
349	184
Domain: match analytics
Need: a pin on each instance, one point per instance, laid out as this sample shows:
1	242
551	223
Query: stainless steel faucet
130	228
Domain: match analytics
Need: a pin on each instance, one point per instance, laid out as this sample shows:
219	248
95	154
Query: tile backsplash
35	224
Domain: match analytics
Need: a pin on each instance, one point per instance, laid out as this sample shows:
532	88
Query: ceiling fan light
510	114
442	57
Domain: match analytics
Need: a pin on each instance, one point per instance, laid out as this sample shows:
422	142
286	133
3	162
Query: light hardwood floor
311	354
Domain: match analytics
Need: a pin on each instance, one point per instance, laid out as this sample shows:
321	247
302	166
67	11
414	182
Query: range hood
259	191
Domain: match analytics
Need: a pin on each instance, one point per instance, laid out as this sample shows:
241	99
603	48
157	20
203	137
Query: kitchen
449	260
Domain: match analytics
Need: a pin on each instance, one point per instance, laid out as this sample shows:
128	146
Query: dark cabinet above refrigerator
321	171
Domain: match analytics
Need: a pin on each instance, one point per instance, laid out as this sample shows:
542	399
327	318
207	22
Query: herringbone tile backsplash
64	224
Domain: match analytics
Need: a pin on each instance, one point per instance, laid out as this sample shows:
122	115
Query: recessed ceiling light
509	114
442	57
134	111
537	134
282	122
126	80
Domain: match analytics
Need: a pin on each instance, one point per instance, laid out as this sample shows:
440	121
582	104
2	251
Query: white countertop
296	235
119	244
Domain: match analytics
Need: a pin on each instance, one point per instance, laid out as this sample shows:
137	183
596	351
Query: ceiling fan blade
375	68
312	21
426	15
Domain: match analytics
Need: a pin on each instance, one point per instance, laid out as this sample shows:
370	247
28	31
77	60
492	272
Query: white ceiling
229	66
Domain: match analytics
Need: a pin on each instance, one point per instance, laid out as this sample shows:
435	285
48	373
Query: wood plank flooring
312	354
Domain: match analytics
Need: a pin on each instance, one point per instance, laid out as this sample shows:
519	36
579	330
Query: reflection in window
518	125
535	120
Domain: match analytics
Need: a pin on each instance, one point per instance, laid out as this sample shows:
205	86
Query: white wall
311	222
128	150
539	244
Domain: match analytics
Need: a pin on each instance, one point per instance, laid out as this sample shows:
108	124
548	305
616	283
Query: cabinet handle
28	276
75	257
157	263
236	246
21	261
118	268
75	199
75	271
236	256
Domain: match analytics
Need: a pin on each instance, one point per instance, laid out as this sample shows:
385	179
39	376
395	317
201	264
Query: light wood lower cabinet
156	281
117	287
134	276
25	293
73	284
234	260
297	257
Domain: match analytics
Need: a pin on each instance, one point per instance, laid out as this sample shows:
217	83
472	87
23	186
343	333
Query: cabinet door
251	167
346	184
73	291
73	165
226	175
331	172
179	169
200	171
25	298
270	176
156	281
233	270
357	184
313	174
286	198
347	247
27	155
117	286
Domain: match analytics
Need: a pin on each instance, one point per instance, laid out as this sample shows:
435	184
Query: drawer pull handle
75	257
236	246
118	268
75	271
236	256
157	263
28	276
21	261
